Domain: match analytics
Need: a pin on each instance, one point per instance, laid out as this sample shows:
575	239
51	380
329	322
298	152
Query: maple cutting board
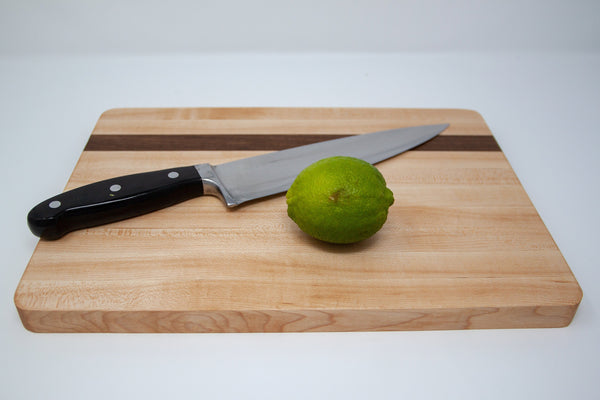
463	246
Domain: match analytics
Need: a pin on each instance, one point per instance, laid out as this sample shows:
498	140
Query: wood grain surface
463	246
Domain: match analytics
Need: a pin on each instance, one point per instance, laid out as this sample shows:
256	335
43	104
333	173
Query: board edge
296	321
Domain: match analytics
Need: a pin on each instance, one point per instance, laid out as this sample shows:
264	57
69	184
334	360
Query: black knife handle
113	200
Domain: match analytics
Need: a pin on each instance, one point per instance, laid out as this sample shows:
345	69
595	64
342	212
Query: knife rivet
115	188
173	174
54	204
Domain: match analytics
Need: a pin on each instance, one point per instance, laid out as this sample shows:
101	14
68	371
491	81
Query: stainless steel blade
251	178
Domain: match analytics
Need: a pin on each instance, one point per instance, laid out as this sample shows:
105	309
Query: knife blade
235	182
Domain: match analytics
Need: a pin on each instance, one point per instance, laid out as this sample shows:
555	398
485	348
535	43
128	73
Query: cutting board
463	246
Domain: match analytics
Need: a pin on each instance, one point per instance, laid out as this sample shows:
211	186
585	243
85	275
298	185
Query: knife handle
113	200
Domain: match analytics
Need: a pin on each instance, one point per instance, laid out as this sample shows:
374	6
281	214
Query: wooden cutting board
463	246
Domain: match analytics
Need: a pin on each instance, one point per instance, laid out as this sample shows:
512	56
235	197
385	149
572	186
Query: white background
531	68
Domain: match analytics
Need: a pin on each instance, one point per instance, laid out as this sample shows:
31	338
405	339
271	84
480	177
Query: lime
339	200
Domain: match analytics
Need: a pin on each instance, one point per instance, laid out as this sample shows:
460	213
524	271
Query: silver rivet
54	204
173	174
115	188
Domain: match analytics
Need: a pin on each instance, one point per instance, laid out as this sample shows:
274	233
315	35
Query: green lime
339	200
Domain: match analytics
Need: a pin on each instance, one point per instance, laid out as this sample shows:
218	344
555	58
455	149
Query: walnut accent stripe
99	142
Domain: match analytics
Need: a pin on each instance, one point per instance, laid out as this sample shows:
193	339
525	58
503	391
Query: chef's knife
235	182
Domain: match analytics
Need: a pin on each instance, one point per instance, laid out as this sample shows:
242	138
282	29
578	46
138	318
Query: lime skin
339	200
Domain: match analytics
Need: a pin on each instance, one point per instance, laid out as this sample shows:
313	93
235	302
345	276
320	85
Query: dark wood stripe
460	143
201	142
263	142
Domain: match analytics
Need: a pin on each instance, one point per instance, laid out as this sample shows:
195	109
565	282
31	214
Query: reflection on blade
272	173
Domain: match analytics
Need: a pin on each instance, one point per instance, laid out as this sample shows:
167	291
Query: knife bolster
213	185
